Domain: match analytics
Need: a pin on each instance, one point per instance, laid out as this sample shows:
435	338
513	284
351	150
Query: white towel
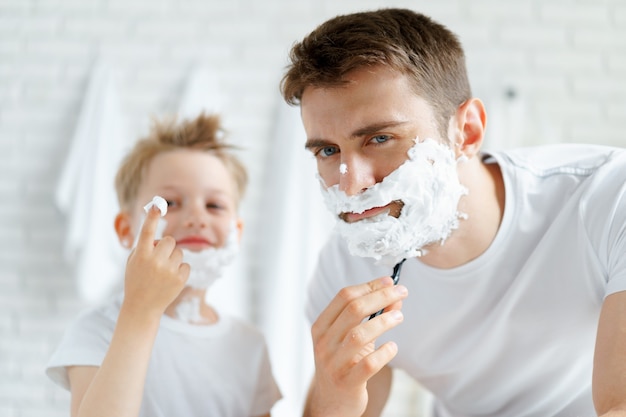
295	226
85	192
202	94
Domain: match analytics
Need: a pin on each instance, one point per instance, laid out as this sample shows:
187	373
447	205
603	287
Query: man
512	300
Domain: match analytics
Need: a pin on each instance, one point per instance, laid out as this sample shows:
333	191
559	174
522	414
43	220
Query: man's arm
345	355
609	371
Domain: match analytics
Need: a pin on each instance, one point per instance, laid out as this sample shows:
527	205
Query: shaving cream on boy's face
207	265
428	186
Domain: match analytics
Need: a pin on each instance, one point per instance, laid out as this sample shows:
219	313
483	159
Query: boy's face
201	196
361	132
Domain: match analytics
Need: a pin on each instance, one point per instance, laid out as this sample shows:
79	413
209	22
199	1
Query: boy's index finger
155	209
159	202
148	230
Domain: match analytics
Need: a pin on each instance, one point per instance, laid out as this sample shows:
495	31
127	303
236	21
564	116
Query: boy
512	300
159	349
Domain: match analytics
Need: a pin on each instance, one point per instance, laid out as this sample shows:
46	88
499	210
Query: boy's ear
471	121
123	229
239	226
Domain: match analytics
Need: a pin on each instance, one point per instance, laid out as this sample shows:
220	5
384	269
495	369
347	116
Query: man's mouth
392	209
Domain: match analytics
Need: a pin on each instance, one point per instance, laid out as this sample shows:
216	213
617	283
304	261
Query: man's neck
484	206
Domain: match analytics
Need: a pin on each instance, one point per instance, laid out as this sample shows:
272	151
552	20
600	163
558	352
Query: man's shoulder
566	158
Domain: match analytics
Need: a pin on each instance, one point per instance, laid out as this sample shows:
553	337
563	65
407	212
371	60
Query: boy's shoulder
103	313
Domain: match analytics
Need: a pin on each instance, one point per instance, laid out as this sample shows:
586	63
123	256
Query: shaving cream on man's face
428	186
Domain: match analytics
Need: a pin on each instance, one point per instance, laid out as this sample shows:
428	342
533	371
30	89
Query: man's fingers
369	331
347	295
353	304
375	361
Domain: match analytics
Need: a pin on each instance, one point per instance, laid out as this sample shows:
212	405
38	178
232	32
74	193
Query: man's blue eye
380	138
328	151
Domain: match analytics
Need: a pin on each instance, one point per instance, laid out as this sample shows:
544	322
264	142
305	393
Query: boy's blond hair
204	133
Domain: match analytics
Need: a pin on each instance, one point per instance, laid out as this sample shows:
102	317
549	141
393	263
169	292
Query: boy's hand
155	272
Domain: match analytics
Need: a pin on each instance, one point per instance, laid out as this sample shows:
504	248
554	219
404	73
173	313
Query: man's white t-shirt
512	333
217	370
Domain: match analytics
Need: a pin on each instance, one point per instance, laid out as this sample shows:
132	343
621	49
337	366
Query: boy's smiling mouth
194	242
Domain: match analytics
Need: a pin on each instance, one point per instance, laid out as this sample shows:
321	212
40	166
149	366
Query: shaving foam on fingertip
159	202
162	224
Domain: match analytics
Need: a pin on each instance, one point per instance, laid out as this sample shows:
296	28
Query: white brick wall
564	59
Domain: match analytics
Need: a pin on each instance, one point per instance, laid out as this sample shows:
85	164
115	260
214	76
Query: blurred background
80	80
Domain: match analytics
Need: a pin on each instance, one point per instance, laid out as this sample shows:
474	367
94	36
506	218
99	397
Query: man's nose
356	175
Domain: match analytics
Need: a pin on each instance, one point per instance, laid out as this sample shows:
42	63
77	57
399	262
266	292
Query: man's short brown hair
408	42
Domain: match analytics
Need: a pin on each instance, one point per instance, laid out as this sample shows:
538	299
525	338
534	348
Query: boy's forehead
188	161
187	170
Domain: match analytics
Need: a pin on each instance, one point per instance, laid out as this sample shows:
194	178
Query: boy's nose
356	176
195	222
196	217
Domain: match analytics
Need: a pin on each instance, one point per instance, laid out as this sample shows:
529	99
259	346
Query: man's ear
470	123
124	230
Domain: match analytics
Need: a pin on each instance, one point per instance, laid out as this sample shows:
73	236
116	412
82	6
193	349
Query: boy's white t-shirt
512	332
218	370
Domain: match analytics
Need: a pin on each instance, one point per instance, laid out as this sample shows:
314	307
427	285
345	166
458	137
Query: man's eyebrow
316	143
376	127
363	131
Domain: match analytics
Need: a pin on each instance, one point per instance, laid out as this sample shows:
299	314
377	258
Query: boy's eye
214	206
171	203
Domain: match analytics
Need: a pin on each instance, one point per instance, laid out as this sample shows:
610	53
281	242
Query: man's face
388	174
360	133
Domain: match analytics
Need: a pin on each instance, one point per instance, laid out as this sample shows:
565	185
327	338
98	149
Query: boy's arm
116	387
155	275
609	370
